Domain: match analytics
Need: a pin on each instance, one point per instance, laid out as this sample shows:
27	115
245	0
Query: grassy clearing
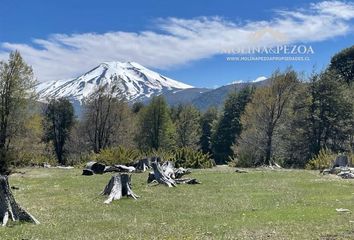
258	205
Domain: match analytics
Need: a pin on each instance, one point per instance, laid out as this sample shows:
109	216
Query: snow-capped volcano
136	83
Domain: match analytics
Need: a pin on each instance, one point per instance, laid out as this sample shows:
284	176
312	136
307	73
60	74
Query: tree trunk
269	148
160	175
9	209
118	186
168	175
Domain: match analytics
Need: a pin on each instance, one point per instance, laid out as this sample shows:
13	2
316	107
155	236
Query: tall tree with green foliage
187	127
16	92
58	121
229	125
331	113
264	114
321	117
156	129
207	122
342	63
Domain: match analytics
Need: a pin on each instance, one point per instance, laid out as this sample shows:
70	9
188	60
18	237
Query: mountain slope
134	81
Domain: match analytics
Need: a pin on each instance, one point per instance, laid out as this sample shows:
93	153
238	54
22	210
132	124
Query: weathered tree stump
118	186
168	175
9	209
341	161
162	177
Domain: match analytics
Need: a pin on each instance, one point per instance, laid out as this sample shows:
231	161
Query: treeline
288	121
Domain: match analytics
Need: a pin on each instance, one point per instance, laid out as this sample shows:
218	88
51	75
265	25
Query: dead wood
118	186
9	209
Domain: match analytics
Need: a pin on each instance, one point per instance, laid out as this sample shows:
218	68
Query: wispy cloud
179	41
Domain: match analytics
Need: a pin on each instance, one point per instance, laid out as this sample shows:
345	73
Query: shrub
24	159
116	155
182	157
190	158
322	160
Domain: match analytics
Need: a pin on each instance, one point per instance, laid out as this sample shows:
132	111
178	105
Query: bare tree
106	119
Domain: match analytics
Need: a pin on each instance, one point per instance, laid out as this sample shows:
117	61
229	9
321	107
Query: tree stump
118	186
168	175
341	161
9	209
161	176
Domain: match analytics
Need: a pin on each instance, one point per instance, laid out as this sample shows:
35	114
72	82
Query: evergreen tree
331	115
229	126
321	117
156	129
187	127
343	64
206	123
58	121
16	92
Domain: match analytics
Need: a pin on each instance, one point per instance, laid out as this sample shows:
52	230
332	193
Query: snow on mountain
259	79
136	82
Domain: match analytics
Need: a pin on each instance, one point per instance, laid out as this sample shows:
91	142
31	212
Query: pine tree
343	64
58	121
229	126
331	113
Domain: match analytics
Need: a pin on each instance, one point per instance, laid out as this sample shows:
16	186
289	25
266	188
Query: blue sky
181	39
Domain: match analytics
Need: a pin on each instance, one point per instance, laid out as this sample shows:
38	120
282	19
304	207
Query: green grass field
261	204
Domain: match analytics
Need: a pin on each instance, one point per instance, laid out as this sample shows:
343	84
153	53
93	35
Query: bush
24	159
182	157
116	155
190	158
322	160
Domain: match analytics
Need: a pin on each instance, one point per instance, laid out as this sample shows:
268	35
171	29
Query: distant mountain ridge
136	83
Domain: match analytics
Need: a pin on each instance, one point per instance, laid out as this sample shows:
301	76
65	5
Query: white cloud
179	41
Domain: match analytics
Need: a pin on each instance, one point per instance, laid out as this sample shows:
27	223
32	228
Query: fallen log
119	168
9	209
180	172
143	164
93	168
118	186
187	181
240	171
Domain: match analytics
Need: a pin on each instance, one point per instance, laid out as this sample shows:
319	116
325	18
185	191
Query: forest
296	120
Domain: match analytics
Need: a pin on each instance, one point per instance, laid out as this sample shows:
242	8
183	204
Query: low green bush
190	158
116	155
322	160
